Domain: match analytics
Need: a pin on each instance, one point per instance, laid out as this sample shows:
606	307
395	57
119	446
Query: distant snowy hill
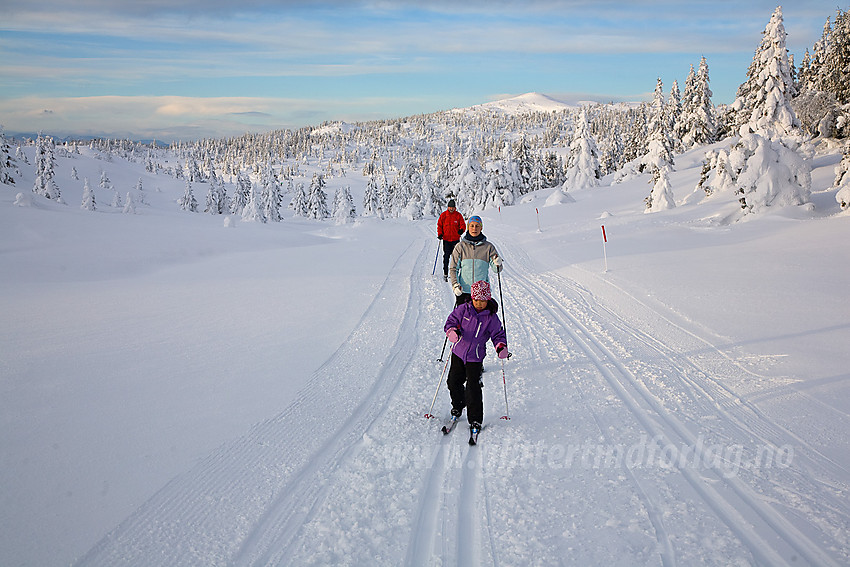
525	103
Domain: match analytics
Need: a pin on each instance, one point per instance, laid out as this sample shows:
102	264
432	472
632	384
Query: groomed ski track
626	447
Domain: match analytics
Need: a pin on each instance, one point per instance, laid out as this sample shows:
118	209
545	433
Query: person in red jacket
450	227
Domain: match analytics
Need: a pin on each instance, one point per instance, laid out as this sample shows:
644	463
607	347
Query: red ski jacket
450	226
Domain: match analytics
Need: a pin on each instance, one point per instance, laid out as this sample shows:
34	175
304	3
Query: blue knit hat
476	218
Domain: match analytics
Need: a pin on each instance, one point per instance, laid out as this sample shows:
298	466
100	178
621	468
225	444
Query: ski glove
439	237
454	335
502	351
497	261
457	289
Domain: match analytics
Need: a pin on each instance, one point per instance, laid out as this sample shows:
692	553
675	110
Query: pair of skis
473	432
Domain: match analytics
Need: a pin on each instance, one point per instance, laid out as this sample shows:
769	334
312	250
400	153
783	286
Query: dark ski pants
465	387
448	248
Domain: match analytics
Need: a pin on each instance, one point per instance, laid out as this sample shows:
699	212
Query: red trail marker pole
604	251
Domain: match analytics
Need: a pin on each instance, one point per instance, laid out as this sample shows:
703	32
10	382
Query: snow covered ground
174	391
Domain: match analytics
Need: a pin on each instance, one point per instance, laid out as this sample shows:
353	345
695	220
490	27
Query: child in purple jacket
469	327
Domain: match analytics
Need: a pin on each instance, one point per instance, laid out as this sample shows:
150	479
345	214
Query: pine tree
842	180
583	166
698	122
130	205
298	204
7	163
661	196
659	152
240	196
216	202
105	183
343	209
271	197
763	101
88	203
253	211
371	204
45	174
187	202
317	200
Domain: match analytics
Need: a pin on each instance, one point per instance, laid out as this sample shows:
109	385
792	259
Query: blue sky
184	69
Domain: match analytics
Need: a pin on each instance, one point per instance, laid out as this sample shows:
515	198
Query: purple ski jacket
476	328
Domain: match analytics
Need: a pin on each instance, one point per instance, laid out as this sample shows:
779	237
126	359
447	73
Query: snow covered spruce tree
842	180
583	165
763	102
766	167
253	210
216	197
240	195
343	209
44	172
7	162
824	81
468	182
371	204
298	203
697	124
187	202
88	203
271	196
661	196
317	199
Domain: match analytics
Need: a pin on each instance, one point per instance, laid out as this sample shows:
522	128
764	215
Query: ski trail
228	510
768	534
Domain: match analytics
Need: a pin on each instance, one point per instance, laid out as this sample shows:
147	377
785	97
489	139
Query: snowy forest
756	149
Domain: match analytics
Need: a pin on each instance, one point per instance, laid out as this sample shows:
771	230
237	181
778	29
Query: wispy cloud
334	56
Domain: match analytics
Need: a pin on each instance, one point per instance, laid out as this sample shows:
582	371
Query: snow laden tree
253	210
759	172
7	162
659	152
762	105
343	208
432	205
824	82
697	124
317	199
105	183
240	195
371	202
88	203
583	168
187	202
468	182
271	195
298	203
842	180
45	185
661	196
216	197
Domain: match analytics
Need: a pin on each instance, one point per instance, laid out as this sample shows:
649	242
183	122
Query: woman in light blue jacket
471	260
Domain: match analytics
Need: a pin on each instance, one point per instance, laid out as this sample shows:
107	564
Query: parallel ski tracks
769	535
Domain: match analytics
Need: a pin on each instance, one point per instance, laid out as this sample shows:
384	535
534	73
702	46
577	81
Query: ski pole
434	271
504	382
505	385
502	301
429	415
442	352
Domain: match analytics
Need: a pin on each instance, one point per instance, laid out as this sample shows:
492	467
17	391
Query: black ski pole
504	382
434	271
442	352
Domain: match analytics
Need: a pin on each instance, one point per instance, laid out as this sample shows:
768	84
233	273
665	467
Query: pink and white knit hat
480	291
